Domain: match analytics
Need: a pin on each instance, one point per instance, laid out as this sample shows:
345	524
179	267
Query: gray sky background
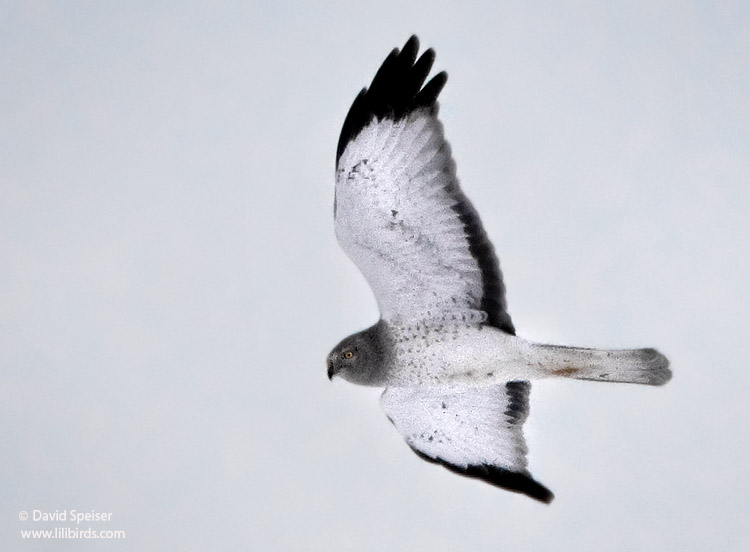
170	282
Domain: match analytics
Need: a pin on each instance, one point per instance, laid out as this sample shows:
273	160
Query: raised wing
400	213
475	432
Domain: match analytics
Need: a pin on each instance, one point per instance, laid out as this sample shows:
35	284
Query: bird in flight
456	375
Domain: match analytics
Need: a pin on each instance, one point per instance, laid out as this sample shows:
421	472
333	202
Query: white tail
646	366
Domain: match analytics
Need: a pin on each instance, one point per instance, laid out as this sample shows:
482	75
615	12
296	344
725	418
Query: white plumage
455	373
393	204
459	424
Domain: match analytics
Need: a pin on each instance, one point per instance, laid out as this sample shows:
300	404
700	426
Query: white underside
470	355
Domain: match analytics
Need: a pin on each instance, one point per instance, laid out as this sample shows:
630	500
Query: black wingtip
517	482
429	94
397	89
512	481
411	48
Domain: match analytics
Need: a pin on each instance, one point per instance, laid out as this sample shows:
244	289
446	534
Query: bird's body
445	352
455	372
440	352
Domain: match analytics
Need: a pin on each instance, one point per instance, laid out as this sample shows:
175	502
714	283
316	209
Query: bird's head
357	359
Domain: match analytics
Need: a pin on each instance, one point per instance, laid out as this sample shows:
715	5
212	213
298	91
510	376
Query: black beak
331	371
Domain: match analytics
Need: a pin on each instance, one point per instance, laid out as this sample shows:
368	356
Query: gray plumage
445	349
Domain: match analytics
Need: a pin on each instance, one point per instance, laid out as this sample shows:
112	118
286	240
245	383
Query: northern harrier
456	375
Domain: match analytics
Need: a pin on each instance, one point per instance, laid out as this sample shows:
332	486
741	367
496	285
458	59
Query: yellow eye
348	355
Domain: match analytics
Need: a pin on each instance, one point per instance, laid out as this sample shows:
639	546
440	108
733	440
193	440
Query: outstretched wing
400	213
475	432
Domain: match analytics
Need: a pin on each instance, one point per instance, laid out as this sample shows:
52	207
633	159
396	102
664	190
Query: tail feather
644	366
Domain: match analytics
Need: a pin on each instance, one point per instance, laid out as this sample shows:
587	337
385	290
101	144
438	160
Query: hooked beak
331	370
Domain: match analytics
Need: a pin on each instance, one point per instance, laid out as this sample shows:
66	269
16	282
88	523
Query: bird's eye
348	355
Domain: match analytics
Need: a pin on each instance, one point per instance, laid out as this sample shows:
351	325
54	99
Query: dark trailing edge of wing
396	91
480	247
517	482
518	403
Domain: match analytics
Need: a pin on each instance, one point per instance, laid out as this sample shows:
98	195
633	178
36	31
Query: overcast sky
170	283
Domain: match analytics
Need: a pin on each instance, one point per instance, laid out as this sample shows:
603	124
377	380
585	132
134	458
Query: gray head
358	358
